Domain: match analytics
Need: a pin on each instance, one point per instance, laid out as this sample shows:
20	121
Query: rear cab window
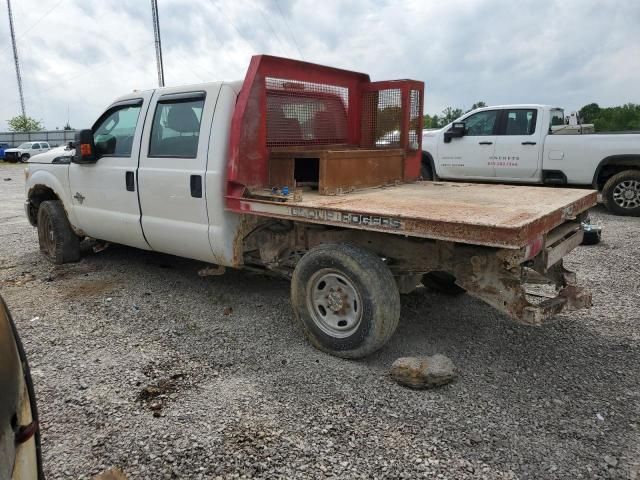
175	131
519	121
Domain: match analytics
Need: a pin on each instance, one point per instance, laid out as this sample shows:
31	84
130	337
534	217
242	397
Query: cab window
176	128
520	121
481	123
35	146
113	133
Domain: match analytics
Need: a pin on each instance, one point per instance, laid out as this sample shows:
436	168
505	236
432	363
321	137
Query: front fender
54	178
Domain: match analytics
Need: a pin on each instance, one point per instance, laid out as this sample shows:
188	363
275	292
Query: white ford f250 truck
283	173
525	144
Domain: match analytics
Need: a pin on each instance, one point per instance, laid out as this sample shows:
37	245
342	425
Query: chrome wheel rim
626	194
334	303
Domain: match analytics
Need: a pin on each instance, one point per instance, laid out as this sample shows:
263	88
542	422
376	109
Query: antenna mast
15	58
156	35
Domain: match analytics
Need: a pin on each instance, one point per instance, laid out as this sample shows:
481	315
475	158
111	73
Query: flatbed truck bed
499	216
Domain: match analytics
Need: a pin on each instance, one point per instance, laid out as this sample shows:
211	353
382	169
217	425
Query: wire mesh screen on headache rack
305	113
415	117
381	118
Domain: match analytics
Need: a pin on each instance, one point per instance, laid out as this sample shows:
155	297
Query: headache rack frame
288	107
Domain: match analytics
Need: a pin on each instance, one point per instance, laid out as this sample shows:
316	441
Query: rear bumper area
536	290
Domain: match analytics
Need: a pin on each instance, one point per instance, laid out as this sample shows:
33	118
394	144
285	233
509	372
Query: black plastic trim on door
130	181
485	143
196	186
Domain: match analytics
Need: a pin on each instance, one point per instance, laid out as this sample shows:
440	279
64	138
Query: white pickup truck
283	173
25	150
527	144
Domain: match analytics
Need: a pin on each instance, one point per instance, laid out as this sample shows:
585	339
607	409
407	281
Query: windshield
25	145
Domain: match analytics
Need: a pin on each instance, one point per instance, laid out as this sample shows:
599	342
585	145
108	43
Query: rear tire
345	300
621	193
56	237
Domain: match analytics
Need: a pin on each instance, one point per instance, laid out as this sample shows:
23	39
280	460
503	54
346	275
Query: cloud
81	55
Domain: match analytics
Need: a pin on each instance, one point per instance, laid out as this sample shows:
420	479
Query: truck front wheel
345	300
57	240
621	193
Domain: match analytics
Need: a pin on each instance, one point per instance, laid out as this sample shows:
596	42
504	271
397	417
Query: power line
295	41
15	59
62	82
33	25
266	20
234	26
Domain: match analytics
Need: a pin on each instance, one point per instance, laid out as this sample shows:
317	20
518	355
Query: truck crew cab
284	172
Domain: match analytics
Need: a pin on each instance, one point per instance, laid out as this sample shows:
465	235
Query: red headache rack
288	110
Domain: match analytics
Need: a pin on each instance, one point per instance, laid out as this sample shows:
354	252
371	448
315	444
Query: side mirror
85	147
457	130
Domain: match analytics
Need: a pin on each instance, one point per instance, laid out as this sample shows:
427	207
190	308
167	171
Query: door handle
486	143
528	143
196	186
130	181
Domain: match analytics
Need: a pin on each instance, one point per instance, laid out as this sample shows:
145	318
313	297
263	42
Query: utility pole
156	34
15	58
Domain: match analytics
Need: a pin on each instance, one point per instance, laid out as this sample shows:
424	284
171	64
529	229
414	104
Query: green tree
24	124
479	104
589	112
68	127
449	114
612	119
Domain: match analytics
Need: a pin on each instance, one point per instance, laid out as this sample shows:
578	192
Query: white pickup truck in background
25	151
525	144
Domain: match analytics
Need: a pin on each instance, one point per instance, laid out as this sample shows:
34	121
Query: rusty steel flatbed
491	215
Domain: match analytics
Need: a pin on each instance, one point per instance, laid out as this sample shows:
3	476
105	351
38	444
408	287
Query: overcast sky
78	55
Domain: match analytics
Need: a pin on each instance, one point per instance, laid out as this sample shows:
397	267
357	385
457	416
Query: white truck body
174	221
514	144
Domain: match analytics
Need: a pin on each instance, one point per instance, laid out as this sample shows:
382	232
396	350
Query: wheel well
428	159
37	195
613	165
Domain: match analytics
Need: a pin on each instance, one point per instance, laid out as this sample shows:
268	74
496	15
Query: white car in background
25	151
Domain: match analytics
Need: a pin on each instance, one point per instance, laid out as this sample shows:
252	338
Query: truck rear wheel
621	193
345	299
57	240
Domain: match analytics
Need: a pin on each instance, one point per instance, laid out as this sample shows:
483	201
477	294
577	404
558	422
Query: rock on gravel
425	372
111	474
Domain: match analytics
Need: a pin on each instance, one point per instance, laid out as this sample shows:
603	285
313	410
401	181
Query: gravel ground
142	365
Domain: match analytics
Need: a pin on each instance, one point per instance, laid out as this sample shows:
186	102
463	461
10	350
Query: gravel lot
142	365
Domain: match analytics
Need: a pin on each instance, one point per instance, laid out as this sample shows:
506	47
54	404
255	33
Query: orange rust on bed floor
482	214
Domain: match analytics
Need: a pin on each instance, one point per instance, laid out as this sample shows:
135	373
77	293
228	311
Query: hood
61	155
12	150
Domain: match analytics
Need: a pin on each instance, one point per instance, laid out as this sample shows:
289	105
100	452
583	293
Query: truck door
172	171
103	194
471	156
518	145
